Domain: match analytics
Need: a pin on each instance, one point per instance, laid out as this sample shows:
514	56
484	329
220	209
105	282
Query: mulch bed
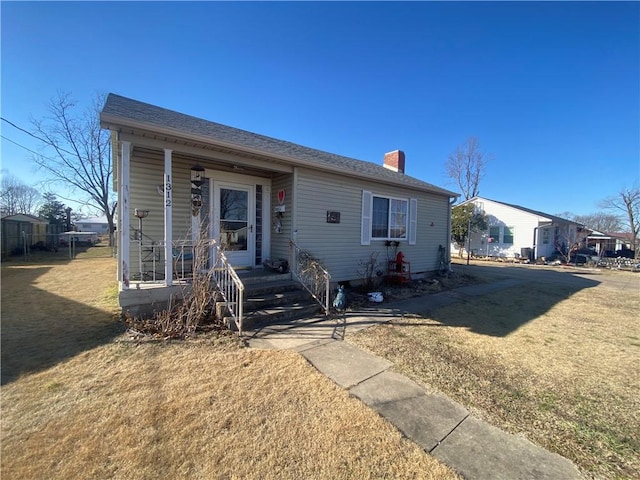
416	288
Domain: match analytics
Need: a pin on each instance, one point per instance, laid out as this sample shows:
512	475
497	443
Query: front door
234	213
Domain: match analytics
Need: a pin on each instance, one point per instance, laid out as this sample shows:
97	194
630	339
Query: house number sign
167	190
333	217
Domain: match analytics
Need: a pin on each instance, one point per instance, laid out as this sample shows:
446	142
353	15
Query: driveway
618	280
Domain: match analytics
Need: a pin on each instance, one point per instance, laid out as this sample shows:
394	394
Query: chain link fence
23	245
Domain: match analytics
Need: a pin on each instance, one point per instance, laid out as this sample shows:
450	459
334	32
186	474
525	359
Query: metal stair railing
228	285
207	258
311	275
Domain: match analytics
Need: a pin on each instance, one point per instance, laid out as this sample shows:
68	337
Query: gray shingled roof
149	116
553	218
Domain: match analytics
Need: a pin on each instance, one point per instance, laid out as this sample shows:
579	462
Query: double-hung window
388	218
494	234
507	236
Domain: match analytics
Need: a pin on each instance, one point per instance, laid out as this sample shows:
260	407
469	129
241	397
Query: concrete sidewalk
441	426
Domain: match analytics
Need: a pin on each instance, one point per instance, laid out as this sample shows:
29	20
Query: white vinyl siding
413	220
343	246
147	174
280	241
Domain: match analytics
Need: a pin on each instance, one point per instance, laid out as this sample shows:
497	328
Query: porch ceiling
213	159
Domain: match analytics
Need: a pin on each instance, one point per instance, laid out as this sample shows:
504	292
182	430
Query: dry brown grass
204	408
567	377
53	310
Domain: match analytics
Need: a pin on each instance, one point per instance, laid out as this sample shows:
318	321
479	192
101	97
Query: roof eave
112	122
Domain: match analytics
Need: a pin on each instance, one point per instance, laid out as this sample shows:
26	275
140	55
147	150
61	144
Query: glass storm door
234	211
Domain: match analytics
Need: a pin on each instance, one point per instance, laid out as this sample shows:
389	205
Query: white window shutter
365	234
413	220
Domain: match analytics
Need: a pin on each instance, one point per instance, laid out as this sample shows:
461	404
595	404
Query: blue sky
551	89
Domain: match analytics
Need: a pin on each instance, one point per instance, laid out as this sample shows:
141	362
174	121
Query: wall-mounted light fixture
197	180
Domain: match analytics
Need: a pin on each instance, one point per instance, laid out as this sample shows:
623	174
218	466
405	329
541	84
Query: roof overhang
129	130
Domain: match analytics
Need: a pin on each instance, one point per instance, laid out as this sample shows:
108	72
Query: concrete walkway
444	428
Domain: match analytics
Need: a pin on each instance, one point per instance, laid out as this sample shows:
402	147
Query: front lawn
80	399
557	365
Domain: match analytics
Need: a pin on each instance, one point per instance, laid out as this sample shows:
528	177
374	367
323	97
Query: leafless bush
195	309
370	273
311	272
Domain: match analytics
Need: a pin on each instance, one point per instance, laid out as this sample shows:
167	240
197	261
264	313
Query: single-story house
21	231
180	178
610	244
98	225
514	231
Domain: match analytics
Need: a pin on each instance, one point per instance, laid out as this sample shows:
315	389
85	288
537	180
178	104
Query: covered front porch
169	200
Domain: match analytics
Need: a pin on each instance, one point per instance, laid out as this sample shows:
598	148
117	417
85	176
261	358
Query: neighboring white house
181	178
515	231
98	225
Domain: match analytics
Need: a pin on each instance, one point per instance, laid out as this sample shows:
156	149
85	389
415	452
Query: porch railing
203	258
150	266
311	274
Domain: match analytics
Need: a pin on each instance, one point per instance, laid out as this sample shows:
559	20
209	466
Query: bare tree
466	167
78	151
600	221
17	197
627	204
569	240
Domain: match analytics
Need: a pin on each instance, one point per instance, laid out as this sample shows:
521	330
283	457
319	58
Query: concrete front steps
271	298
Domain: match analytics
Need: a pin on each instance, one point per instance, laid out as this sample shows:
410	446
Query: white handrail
229	285
311	275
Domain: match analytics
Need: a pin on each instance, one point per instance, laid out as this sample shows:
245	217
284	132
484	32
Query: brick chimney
394	161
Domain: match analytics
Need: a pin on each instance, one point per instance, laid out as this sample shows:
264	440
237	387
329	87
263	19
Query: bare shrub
370	272
311	272
196	308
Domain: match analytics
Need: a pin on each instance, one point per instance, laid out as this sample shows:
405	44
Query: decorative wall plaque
333	217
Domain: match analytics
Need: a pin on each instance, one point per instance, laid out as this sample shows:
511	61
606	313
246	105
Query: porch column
123	206
168	235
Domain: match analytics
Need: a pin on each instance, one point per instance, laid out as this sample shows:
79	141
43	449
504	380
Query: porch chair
398	270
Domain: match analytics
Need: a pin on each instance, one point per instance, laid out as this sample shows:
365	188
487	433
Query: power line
26	148
36	137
